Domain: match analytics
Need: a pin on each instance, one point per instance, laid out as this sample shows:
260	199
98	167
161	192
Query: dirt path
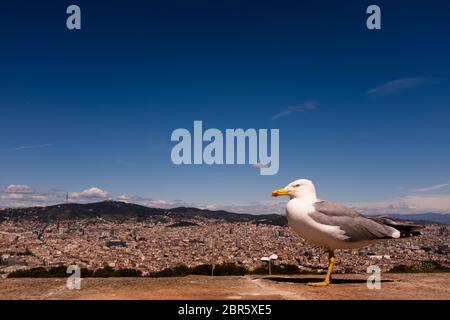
394	286
273	288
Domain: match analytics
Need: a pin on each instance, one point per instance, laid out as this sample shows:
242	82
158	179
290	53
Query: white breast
331	237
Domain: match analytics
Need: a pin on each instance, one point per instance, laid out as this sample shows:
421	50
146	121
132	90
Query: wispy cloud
277	206
33	146
307	106
24	197
157	203
432	188
402	84
439	203
18	188
18	195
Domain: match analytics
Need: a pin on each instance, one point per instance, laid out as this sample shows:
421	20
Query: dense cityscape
155	243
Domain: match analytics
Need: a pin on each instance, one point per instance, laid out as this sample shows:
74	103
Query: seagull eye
297	185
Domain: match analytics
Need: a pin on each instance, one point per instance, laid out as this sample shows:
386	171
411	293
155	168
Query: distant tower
66	200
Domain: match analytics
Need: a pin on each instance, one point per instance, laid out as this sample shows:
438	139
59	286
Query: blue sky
95	108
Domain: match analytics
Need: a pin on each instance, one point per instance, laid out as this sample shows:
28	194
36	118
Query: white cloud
400	85
149	202
308	106
39	198
439	203
17	195
124	198
413	203
89	194
408	204
18	188
277	206
24	197
13	196
433	188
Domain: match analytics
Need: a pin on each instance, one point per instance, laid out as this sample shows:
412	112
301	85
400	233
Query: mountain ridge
426	217
120	209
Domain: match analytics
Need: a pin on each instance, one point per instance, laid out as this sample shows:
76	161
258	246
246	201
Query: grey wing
355	225
335	209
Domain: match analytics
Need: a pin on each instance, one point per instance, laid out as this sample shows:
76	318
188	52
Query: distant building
379	257
443	230
443	249
7	260
105	234
116	243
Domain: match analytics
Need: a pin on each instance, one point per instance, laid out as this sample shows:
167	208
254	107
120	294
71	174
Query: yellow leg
327	280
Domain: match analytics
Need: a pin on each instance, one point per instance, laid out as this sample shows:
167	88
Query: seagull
335	226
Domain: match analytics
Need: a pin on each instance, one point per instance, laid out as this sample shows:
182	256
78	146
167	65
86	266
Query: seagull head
301	188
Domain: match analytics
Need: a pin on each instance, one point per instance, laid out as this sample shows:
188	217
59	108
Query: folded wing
358	227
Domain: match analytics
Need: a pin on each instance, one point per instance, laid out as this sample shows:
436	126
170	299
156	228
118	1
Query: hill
422	217
122	210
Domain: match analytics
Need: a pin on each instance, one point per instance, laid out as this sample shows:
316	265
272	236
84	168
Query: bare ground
349	286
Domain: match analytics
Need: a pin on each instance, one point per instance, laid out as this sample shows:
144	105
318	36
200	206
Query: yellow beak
280	192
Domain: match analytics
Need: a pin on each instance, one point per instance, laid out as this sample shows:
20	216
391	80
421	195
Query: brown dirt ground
349	286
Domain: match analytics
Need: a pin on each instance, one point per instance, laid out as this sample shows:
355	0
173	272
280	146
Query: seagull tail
405	228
